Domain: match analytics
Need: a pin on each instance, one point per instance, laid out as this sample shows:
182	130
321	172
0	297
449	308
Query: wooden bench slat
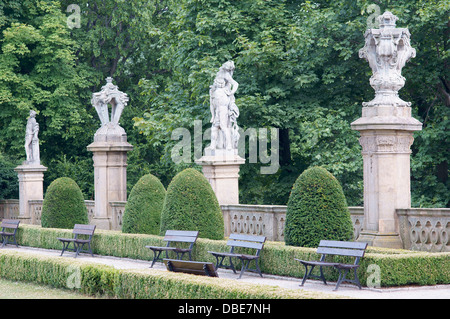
83	232
340	251
83	226
182	233
160	248
260	239
245	244
342	244
180	239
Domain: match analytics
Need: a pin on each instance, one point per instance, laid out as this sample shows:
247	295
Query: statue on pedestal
32	140
224	129
387	50
109	94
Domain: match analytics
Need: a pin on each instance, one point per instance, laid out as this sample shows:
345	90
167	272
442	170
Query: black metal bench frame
180	236
339	248
243	241
78	243
12	224
191	267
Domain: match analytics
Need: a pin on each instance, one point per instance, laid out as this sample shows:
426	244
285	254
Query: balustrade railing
424	229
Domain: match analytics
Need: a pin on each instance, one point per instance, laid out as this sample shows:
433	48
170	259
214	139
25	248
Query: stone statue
387	50
224	129
32	140
109	94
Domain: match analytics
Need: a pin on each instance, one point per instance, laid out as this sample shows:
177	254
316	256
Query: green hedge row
391	267
102	280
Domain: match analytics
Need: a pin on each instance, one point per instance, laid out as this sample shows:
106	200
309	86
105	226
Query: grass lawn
21	290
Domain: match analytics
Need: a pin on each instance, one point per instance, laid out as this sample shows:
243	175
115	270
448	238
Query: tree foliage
296	62
39	71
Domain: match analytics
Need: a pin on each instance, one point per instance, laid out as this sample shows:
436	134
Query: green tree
299	70
118	39
39	71
280	61
9	184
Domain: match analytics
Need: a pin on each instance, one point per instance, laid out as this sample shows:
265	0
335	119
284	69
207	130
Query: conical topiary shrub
63	205
191	204
142	213
317	209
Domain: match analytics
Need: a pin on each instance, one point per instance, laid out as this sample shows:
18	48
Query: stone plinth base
221	169
110	148
31	179
386	240
101	222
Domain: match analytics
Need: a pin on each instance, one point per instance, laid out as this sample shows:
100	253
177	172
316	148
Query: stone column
31	179
110	148
110	172
221	169
386	129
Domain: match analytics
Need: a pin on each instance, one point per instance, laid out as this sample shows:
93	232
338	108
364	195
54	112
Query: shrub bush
142	213
191	204
105	280
317	209
63	205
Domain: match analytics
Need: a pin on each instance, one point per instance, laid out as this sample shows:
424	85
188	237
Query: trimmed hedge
142	213
397	267
96	279
63	205
317	209
191	204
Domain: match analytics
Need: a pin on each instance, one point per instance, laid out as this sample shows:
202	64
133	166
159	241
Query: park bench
255	243
178	236
191	267
86	232
339	248
12	225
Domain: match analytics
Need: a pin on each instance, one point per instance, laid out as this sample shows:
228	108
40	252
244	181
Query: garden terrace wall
422	229
397	267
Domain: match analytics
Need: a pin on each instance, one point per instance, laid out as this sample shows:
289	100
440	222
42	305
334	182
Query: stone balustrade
423	229
9	208
117	209
269	220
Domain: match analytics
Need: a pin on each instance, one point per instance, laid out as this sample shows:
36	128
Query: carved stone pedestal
31	178
221	169
110	148
386	137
